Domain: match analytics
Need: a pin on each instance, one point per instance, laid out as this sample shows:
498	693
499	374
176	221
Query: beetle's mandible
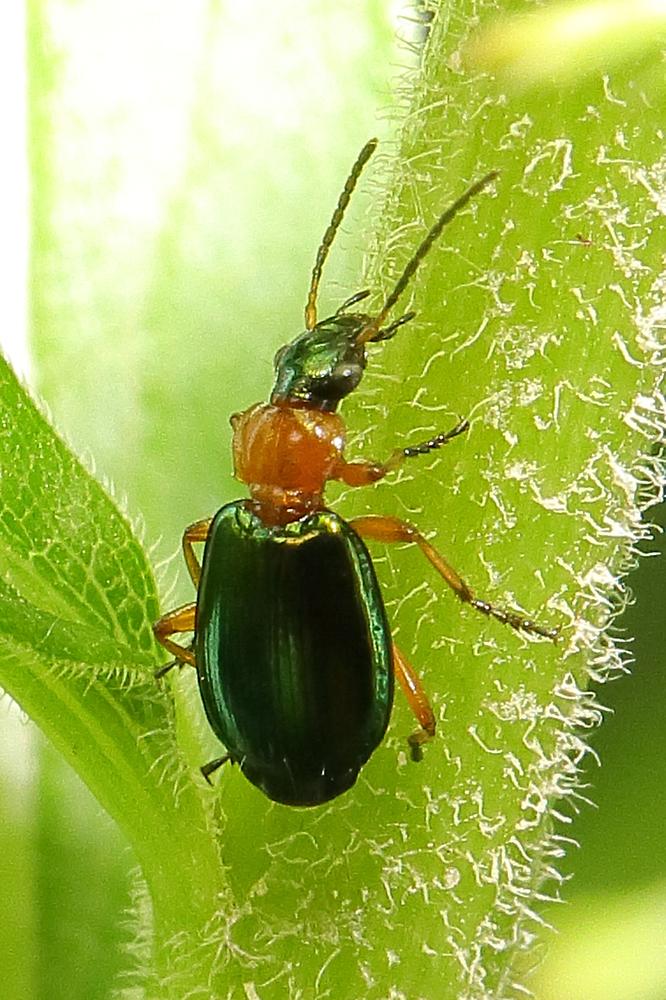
292	645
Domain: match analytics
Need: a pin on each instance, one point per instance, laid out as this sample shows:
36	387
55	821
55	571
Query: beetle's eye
344	380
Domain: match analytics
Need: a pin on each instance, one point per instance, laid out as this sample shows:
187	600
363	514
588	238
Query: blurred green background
116	92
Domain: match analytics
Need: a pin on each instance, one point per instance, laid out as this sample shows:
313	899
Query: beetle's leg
418	702
164	670
181	620
213	765
197	532
391	529
364	473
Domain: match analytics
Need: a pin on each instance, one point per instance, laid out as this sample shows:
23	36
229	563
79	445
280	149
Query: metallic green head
322	365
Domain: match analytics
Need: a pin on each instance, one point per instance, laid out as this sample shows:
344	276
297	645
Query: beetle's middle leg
181	620
418	702
391	529
197	532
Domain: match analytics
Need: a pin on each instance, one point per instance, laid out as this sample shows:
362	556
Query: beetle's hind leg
174	622
418	702
391	529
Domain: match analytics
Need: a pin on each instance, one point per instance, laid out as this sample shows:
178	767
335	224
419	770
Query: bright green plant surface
423	880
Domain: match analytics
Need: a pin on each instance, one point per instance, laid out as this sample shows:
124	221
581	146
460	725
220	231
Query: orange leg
181	620
391	529
365	473
418	702
197	532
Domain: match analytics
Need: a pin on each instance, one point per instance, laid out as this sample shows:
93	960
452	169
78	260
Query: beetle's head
325	364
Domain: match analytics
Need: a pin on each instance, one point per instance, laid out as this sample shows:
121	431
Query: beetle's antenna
329	235
373	330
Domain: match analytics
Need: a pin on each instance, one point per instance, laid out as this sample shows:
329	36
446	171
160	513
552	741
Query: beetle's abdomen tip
303	793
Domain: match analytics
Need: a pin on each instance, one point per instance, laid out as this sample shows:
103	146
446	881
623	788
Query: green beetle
292	645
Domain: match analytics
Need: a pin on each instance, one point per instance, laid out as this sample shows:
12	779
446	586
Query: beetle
292	644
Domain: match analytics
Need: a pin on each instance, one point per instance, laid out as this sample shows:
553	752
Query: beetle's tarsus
513	620
212	766
164	670
416	742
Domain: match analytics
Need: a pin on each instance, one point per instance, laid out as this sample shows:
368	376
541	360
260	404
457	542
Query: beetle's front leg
181	620
391	529
365	473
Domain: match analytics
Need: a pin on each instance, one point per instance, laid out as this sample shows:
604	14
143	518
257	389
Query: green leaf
53	551
541	322
76	648
77	601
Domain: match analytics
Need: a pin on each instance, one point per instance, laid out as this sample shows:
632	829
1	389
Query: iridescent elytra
291	641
